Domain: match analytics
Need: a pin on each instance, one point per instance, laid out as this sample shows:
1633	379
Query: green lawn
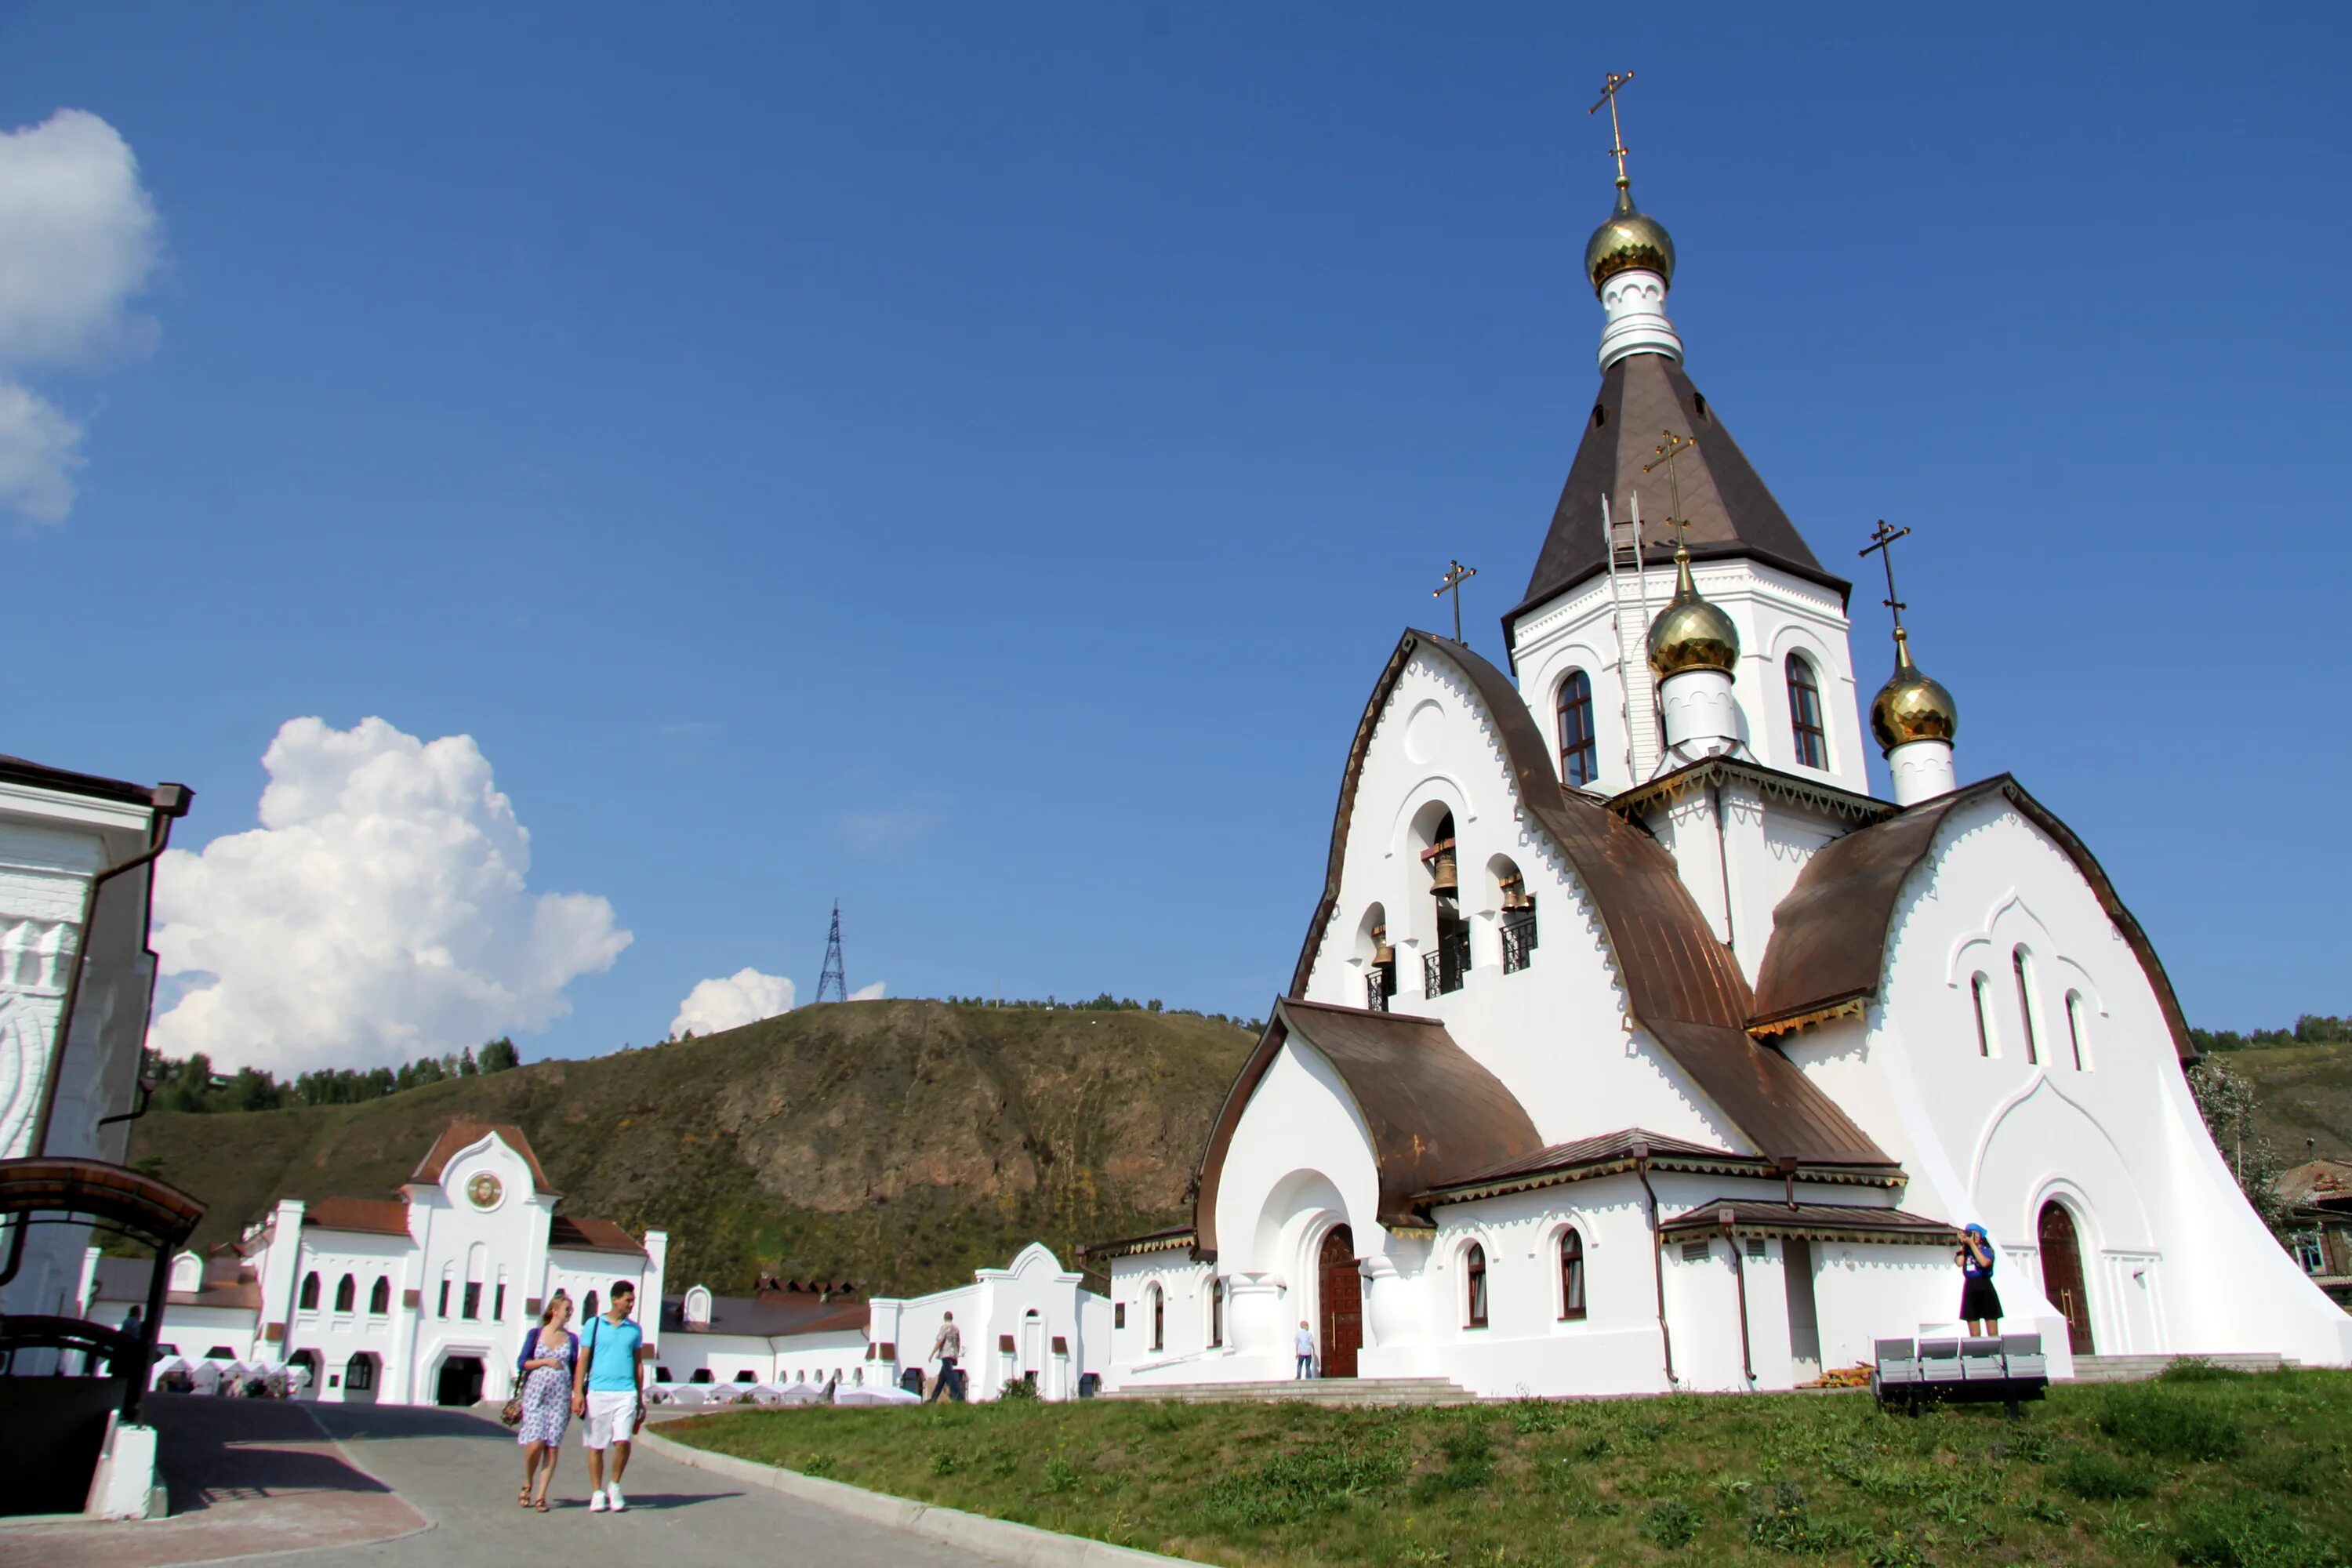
2202	1467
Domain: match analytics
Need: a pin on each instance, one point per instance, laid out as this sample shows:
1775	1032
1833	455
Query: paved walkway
452	1476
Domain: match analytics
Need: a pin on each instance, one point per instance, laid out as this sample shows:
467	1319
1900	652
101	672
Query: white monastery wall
1034	1300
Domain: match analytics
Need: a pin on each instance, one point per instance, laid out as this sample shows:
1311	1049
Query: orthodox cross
1617	137
1456	574
1673	446
1881	539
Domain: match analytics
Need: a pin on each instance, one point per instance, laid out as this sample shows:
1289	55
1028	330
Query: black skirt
1979	1302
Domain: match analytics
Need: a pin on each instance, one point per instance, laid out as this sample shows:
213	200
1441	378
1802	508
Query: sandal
543	1505
523	1498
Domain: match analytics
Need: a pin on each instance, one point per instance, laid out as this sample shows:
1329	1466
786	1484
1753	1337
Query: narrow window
1805	714
1119	1314
2025	1003
1571	1277
347	1294
379	1295
589	1312
309	1301
445	1298
1984	1024
473	1299
1474	1267
359	1374
1159	1319
1579	748
499	1304
2074	1026
1216	1312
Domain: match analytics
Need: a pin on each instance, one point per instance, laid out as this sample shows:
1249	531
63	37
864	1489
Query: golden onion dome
1630	238
1912	706
1691	633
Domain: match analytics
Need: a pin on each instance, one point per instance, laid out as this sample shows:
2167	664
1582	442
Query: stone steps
2137	1368
1313	1391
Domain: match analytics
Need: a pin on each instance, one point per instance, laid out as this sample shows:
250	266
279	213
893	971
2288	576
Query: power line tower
833	979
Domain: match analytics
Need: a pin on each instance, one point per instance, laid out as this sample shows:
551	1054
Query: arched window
702	1374
379	1295
1444	966
1473	1269
1580	746
347	1294
589	1310
1216	1312
1571	1277
2017	963
1516	909
1805	714
359	1373
2074	1029
1159	1319
1976	984
310	1297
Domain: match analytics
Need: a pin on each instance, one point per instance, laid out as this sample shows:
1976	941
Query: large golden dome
1912	706
1628	239
1691	633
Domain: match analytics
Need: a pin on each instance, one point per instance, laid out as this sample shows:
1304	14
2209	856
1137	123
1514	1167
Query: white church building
1635	1046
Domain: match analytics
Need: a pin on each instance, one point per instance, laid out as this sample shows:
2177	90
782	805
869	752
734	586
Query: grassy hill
901	1145
2306	1091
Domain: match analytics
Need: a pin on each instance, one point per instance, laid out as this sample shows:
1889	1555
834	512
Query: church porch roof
1167	1240
1813	793
1611	1153
1813	1222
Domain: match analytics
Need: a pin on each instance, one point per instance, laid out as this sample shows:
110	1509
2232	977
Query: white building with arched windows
1635	1046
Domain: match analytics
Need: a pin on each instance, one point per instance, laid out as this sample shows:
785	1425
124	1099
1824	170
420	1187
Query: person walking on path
947	1347
550	1358
1306	1347
608	1389
1979	1302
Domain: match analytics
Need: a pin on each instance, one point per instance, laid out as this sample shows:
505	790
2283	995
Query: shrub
2197	1369
1019	1390
1670	1523
2098	1477
2176	1425
2239	1533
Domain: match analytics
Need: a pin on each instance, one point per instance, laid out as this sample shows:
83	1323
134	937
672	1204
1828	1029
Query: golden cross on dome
1617	136
1881	538
1456	574
1670	448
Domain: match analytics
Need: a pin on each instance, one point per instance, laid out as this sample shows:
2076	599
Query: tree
2228	1102
498	1055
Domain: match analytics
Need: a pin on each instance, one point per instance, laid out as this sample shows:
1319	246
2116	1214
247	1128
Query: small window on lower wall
701	1374
661	1375
1473	1269
1571	1277
1119	1314
1694	1251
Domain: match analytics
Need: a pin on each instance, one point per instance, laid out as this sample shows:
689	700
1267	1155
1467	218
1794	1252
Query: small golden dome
1912	706
1691	633
1628	239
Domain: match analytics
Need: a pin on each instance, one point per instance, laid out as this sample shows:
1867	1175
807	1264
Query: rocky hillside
898	1144
2304	1091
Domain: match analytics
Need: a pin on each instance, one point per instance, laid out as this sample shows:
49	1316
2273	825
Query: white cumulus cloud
378	913
743	997
79	240
868	993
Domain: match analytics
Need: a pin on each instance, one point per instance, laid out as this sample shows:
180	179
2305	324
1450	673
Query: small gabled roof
1823	1222
460	1135
1434	1112
1681	983
373	1216
1731	512
591	1235
1612	1152
1829	935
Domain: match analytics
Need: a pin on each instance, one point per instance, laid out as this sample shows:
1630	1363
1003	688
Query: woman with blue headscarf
1979	1302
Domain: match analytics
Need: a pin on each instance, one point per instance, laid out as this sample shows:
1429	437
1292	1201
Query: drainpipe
1739	1272
171	803
1723	865
1657	1257
1788	1163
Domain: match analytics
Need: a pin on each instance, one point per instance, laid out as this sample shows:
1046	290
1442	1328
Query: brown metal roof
1829	935
765	1317
1682	984
591	1235
1730	511
1666	788
1166	1240
375	1216
464	1134
112	1196
1434	1112
1827	1222
169	798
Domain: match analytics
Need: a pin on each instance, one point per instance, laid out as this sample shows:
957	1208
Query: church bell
1442	880
1383	950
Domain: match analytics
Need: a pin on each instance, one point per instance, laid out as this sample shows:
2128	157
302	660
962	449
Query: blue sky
973	461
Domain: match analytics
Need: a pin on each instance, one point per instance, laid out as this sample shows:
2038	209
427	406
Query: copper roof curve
1434	1112
1829	934
1681	984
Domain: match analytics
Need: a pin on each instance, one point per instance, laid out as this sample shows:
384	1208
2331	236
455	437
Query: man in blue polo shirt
608	1389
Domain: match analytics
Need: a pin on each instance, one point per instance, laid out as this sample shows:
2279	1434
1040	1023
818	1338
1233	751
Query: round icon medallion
484	1190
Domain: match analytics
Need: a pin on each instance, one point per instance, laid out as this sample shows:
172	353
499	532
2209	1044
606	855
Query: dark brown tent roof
1622	1151
375	1216
1681	983
1730	511
1436	1115
1829	1221
1829	935
589	1236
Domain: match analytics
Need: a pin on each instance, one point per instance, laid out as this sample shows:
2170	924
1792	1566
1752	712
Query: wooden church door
1341	1295
2062	1275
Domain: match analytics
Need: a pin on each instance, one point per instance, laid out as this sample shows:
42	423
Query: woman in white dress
545	1367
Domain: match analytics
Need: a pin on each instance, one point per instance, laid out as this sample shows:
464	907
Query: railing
1442	969
1377	985
1519	942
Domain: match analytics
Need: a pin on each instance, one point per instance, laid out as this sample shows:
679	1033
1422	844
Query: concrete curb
998	1538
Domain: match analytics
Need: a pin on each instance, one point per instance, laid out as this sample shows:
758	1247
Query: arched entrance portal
1339	1294
461	1381
2062	1275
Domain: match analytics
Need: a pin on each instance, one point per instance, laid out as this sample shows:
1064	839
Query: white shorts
611	1416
